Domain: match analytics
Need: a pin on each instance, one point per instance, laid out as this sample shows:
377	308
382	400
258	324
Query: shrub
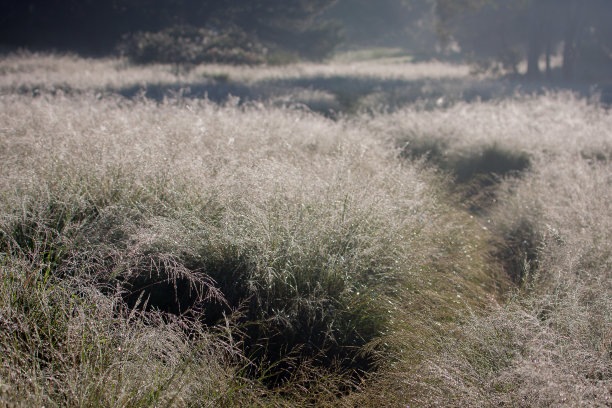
190	45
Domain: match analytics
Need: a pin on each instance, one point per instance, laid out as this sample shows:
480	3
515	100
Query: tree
532	28
485	29
95	26
587	40
396	23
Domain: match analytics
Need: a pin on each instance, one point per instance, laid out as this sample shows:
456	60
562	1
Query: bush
191	45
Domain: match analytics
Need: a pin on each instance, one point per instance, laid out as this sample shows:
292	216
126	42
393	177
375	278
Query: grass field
357	234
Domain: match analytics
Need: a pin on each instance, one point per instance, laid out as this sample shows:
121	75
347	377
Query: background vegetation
512	31
97	27
565	40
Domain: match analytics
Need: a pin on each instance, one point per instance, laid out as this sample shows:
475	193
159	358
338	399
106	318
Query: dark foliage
97	26
510	30
192	45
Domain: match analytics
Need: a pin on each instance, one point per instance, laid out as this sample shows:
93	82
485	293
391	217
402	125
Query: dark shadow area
276	331
491	160
339	95
169	31
518	251
218	92
476	173
605	94
159	290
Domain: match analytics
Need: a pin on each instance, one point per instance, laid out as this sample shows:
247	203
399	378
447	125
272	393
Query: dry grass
316	238
327	88
50	71
550	345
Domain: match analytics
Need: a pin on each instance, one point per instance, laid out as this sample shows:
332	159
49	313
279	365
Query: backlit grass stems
185	253
182	253
550	344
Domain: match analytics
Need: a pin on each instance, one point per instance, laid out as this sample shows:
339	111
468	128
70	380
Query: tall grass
182	252
277	241
549	345
25	69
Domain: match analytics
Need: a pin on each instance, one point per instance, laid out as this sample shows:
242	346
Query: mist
541	39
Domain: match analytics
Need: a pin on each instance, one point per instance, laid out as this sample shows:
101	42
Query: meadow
352	234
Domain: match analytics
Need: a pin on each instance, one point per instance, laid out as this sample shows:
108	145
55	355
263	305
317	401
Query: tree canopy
96	26
394	23
511	30
508	31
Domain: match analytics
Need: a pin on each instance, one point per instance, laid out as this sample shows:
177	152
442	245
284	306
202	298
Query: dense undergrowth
184	253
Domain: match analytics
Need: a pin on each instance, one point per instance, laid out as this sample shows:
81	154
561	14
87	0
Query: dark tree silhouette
95	26
532	28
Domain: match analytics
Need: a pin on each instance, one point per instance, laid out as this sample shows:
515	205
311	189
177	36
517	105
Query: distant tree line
505	31
407	24
513	30
97	26
495	33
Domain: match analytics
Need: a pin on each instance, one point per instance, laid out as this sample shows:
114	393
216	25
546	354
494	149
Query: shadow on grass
278	331
333	96
476	173
218	92
518	251
338	95
491	160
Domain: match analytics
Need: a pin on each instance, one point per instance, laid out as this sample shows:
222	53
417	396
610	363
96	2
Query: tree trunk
534	47
569	46
548	66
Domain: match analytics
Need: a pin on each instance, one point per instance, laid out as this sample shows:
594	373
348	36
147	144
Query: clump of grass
71	342
307	238
549	345
292	287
